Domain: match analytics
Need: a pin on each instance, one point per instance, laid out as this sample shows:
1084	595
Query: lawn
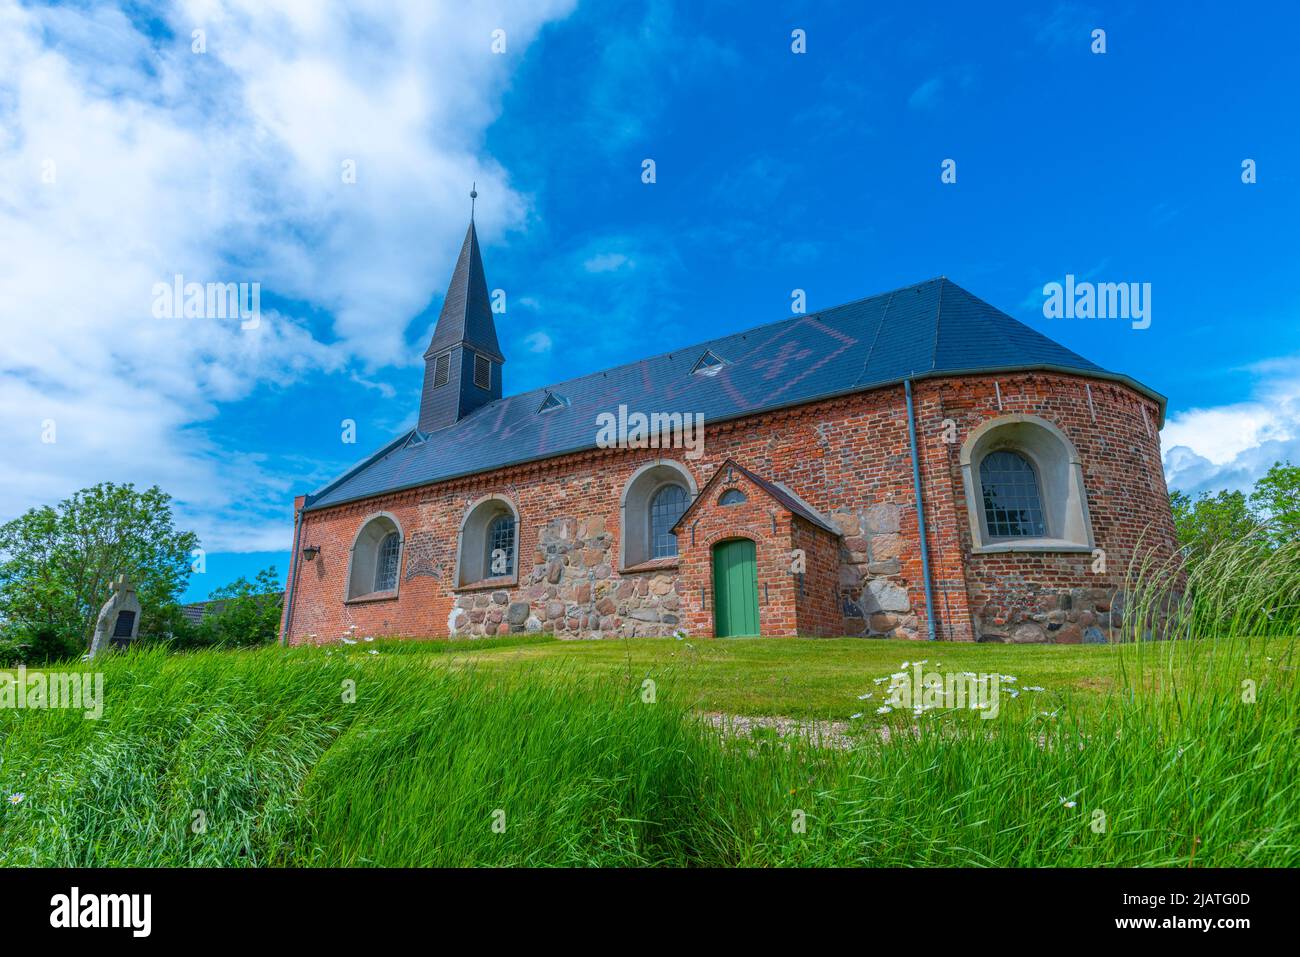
798	677
821	678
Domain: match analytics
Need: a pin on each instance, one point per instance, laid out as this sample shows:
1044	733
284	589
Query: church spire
466	315
463	362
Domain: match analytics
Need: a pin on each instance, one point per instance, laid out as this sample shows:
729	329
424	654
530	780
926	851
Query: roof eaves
314	497
813	515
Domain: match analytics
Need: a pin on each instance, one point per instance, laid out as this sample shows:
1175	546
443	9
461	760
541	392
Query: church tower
462	366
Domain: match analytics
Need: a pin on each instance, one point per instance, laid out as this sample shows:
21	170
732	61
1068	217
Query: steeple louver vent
441	370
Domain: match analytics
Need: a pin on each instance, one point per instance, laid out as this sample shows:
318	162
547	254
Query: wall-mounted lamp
310	552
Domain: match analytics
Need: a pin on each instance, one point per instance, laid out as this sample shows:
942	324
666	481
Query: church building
916	464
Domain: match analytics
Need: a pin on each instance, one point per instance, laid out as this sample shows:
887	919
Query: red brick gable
798	559
726	478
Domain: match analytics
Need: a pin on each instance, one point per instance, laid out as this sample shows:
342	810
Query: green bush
249	615
38	645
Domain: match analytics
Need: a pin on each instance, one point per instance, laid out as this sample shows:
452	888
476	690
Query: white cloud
607	262
1231	446
226	166
538	342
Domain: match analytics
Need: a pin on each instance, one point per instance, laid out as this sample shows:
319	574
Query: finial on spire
473	195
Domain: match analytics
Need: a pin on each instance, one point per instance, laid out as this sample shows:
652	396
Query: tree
57	563
248	613
1276	499
1208	520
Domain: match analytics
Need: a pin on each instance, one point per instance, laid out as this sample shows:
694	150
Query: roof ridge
876	338
938	322
1022	324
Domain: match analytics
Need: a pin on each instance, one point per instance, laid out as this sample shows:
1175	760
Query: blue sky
775	171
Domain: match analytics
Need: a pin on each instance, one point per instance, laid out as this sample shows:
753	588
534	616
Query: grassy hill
537	752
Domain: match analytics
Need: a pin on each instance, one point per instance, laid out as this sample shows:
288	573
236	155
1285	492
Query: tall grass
1191	761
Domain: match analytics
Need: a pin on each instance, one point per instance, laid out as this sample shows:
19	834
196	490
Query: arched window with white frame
1024	487
375	560
655	497
488	543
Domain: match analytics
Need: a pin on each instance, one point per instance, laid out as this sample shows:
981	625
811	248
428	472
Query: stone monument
119	620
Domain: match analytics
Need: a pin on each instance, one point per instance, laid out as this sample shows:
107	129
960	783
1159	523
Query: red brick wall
817	593
1115	432
849	458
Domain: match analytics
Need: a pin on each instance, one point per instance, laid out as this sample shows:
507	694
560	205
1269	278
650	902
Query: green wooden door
735	588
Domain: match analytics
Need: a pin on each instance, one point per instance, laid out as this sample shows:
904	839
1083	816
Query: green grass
557	738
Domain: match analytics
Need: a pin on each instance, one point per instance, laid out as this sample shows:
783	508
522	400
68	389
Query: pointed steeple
462	366
466	315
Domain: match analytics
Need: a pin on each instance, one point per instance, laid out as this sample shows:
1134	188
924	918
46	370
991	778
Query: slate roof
933	328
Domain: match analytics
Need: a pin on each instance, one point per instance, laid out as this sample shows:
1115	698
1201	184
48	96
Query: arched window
653	500
488	541
665	509
732	496
501	545
386	563
1013	507
375	562
1023	484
